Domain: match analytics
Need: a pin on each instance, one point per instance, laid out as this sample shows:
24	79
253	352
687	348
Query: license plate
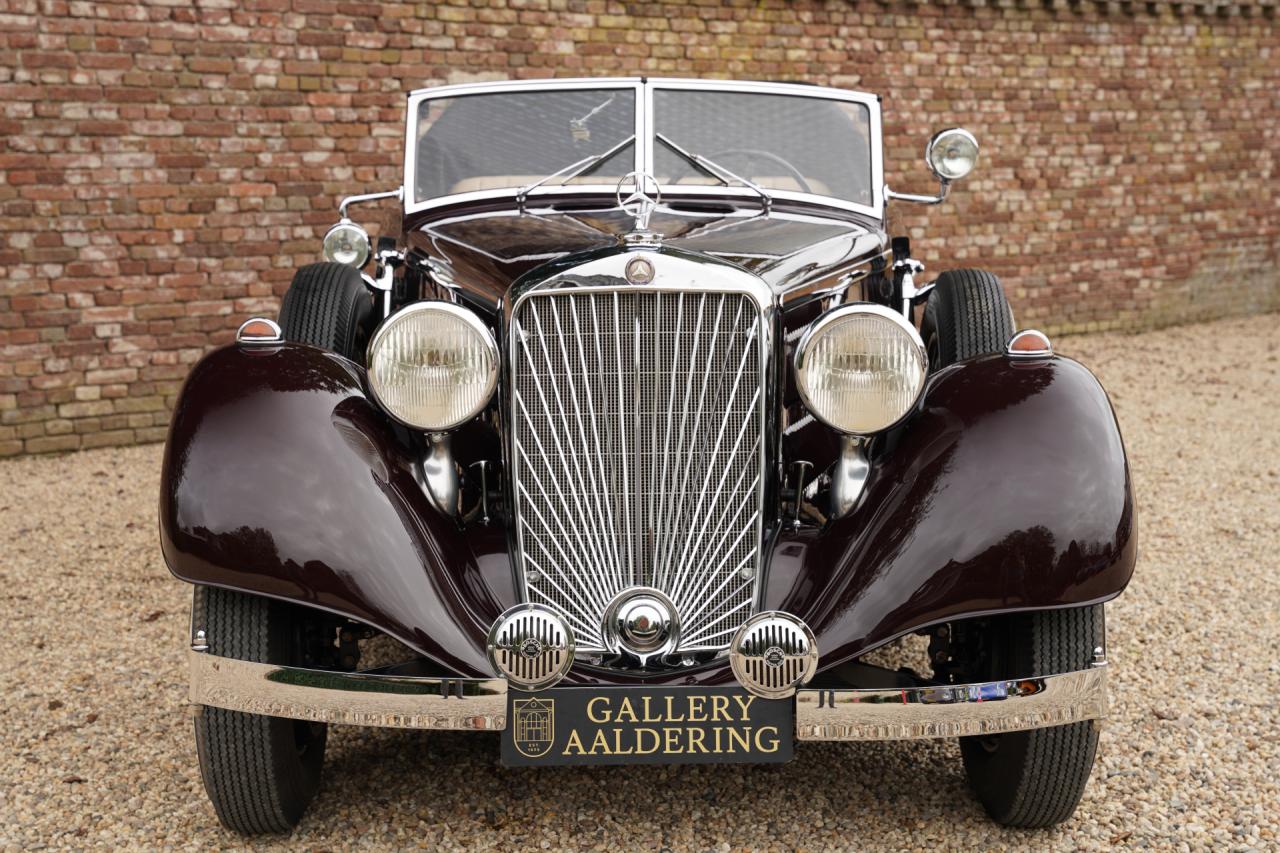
646	725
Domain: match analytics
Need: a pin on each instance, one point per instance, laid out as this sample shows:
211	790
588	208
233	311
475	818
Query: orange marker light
258	331
1029	344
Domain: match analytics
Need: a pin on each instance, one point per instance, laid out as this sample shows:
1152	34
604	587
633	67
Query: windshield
698	140
778	142
510	140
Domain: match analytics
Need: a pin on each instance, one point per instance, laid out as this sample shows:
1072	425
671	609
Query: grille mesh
637	424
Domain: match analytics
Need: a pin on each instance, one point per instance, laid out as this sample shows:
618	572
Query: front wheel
967	315
1036	778
328	306
259	772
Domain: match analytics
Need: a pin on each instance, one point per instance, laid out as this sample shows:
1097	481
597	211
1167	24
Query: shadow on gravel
455	779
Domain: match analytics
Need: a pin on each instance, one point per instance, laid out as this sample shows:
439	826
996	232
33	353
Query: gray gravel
95	739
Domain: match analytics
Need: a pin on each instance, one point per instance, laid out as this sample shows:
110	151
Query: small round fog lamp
347	243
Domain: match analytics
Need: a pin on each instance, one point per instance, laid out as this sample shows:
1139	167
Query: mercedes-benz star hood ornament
638	195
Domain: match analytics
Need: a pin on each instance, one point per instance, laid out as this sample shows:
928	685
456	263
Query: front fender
282	479
1008	490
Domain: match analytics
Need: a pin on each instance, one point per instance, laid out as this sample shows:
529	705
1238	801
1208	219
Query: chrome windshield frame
643	89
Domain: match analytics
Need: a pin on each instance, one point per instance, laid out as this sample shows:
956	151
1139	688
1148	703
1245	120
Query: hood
487	251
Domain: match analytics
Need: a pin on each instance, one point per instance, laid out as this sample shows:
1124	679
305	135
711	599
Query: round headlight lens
860	368
433	365
952	154
347	243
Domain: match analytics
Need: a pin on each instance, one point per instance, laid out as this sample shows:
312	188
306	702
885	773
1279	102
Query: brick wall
164	166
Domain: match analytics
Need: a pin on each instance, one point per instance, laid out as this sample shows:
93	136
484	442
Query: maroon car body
982	502
612	433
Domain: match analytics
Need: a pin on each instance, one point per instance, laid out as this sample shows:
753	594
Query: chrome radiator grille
637	420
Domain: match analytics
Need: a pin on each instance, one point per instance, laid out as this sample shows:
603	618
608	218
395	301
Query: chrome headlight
347	243
433	365
860	368
952	153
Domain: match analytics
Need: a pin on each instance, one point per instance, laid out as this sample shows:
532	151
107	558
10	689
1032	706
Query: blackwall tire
260	772
1035	778
328	306
967	315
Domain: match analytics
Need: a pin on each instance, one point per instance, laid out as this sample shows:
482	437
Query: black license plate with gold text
646	725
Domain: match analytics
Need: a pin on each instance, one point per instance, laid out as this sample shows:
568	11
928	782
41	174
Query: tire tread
1036	778
1059	759
970	315
243	772
327	306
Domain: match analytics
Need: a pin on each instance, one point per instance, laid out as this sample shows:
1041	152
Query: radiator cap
642	622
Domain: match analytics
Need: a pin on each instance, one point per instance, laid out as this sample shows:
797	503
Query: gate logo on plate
533	726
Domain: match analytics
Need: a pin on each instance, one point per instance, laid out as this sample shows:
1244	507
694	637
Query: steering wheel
764	155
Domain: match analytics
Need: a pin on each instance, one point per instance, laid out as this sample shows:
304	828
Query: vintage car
632	435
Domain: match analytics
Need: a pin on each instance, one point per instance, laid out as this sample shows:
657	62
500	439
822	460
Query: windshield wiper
714	169
571	171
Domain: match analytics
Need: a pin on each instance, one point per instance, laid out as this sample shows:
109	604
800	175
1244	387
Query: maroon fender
1007	490
280	478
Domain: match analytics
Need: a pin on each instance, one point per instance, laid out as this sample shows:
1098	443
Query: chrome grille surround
622	478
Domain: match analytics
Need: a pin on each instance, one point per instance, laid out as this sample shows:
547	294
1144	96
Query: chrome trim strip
944	190
959	710
476	704
348	698
644	89
453	90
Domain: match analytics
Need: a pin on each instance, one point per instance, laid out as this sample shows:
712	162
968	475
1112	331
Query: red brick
168	168
51	444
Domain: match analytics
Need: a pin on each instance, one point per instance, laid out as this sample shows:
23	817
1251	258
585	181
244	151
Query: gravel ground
96	746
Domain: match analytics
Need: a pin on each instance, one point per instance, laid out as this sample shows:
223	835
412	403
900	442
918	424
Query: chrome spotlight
531	646
952	153
347	243
772	654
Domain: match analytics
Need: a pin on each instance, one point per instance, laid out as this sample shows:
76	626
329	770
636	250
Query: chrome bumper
368	699
358	699
952	711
